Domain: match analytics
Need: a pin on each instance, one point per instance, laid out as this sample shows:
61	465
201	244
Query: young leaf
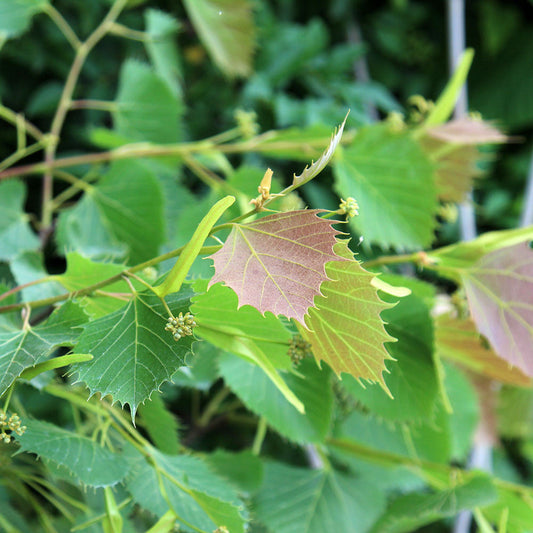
467	131
318	166
393	181
15	233
316	501
499	288
261	396
457	339
227	31
344	328
86	460
277	263
133	354
21	349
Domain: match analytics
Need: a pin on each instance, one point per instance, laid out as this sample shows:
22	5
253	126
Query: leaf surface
458	340
21	349
393	181
133	354
499	288
277	263
15	17
15	233
316	500
345	328
226	28
85	459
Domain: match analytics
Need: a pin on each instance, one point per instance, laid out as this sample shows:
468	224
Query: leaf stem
212	406
259	436
394	259
62	24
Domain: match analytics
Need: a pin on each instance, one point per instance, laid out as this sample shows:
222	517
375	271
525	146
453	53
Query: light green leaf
315	501
15	233
200	499
162	47
312	387
21	349
161	424
147	108
345	328
412	380
86	460
393	181
408	512
226	28
133	354
125	207
16	15
517	504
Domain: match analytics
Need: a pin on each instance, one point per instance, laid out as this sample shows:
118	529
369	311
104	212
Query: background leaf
15	16
277	263
499	288
392	180
133	354
85	459
345	329
21	349
226	28
15	233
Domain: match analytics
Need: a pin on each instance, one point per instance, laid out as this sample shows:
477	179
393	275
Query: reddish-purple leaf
499	288
277	263
468	131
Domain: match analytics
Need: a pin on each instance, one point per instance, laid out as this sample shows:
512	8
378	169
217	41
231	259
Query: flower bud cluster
349	207
180	326
11	425
299	349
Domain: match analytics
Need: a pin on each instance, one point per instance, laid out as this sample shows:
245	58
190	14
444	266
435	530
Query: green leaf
161	424
243	469
260	395
15	233
147	109
344	328
125	207
516	504
86	460
412	380
21	349
408	512
226	29
515	412
277	263
16	15
392	180
133	354
162	49
499	288
200	499
315	501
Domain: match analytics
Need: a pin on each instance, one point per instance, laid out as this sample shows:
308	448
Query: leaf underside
345	327
277	263
499	288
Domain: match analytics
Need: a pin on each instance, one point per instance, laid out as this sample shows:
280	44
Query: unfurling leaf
277	263
499	288
467	131
318	166
346	330
458	340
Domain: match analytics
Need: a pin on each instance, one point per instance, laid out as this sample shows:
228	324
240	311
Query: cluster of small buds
247	123
181	325
11	424
349	207
396	121
299	349
221	529
421	108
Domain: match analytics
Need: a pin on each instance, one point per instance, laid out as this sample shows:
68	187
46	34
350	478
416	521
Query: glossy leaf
133	354
21	349
124	208
392	180
499	288
226	29
15	233
315	500
458	340
277	263
260	395
90	463
345	328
